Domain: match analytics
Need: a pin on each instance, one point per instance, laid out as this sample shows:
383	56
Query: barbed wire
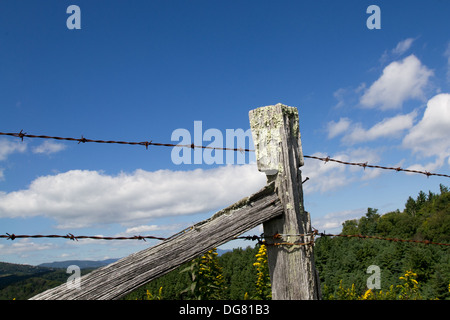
262	239
382	238
364	165
76	238
22	135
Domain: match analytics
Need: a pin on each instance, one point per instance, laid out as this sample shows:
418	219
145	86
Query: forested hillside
426	217
21	282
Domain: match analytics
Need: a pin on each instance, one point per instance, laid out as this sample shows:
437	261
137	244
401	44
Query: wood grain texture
277	142
125	275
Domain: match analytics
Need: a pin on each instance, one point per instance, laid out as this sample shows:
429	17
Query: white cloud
336	128
140	230
400	81
48	147
332	222
429	167
80	198
387	128
403	46
339	94
143	228
22	247
348	96
323	176
329	176
430	136
8	147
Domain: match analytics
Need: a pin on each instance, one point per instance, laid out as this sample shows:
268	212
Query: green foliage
207	282
342	262
408	289
239	272
157	296
21	282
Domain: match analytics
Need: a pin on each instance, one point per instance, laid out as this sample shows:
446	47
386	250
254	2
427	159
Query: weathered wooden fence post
276	137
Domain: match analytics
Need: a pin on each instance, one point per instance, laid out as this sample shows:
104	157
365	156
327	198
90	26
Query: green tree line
342	261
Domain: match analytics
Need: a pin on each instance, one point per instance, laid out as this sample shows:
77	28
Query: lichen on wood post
276	136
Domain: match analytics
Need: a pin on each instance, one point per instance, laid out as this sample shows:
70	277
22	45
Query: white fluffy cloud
48	147
8	147
332	222
403	46
330	176
387	128
336	128
355	133
400	81
22	247
81	198
430	136
142	229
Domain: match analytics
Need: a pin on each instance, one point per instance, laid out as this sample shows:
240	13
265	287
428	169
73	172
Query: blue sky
140	70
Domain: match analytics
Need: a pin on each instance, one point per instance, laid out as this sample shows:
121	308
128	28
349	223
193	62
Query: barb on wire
262	238
22	134
72	237
365	164
381	238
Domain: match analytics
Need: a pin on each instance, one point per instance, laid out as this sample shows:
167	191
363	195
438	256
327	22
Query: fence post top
272	126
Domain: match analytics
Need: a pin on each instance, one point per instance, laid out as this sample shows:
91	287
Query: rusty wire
262	239
364	165
22	135
76	238
381	238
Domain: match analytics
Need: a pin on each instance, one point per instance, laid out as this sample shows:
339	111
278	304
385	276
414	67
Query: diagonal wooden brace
125	275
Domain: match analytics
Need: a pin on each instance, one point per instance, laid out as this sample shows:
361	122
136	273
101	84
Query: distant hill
21	282
222	251
83	264
22	269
